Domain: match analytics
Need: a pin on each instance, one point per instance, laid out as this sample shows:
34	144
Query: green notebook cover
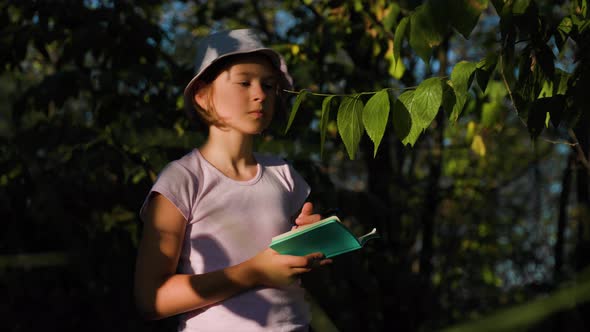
328	236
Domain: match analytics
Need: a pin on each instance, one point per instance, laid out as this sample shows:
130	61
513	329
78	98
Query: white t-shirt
231	221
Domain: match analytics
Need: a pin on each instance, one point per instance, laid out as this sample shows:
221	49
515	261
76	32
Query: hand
272	269
306	216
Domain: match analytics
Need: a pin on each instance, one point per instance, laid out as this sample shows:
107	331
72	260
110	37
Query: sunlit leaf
324	120
375	116
393	11
295	108
397	68
427	100
493	105
461	78
350	125
405	128
563	31
490	113
470	133
400	33
478	146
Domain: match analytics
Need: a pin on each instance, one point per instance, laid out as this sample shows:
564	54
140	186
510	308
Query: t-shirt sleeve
178	185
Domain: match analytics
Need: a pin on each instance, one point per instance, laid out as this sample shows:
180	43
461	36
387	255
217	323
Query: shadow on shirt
249	304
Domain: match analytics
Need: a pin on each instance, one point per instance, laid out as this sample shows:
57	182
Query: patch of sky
563	149
555	188
284	21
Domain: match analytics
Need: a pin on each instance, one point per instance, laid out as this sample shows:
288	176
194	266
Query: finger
318	259
300	270
295	261
308	219
307	209
314	256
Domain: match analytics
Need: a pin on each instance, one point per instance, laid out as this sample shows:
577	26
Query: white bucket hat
222	44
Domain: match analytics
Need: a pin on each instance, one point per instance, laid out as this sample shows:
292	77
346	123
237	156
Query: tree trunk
583	238
432	199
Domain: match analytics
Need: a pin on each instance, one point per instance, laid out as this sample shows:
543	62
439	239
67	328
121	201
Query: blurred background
484	220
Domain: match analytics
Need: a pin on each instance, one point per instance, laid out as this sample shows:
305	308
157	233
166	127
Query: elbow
145	305
147	314
145	310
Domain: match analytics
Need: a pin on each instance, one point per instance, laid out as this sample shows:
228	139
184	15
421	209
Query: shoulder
181	172
179	182
268	160
281	168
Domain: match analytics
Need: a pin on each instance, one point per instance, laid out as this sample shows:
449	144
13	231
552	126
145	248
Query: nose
259	93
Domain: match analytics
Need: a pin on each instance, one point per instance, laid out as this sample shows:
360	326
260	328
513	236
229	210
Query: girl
210	216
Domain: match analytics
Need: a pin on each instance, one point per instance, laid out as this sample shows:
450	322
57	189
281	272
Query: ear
201	96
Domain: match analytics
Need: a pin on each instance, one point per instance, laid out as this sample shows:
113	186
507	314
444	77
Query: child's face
243	95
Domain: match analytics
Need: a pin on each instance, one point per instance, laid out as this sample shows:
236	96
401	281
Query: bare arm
160	292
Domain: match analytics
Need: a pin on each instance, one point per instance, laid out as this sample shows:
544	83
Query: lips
256	114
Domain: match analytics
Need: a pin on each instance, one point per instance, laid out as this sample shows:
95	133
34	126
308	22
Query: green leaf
560	82
324	121
461	78
565	26
498	5
492	109
464	14
478	147
536	117
490	113
542	108
375	116
424	34
403	124
393	11
349	122
520	6
484	70
449	99
563	31
296	105
396	68
427	99
398	39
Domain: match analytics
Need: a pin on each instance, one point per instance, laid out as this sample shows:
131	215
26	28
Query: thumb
307	209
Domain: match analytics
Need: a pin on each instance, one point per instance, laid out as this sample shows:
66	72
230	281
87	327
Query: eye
268	85
244	83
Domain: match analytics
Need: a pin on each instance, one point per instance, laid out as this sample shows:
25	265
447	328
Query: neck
230	152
